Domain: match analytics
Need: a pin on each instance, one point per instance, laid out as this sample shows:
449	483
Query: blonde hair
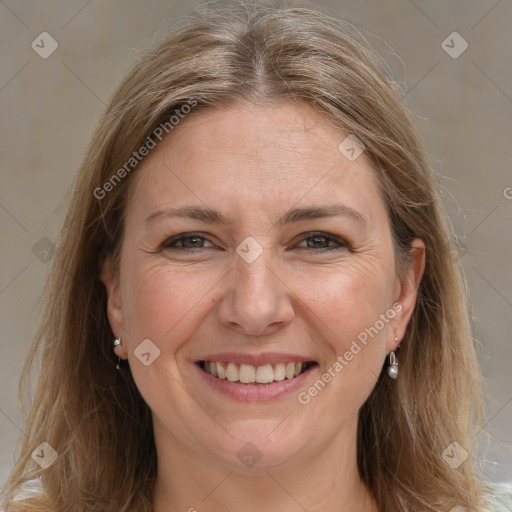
94	416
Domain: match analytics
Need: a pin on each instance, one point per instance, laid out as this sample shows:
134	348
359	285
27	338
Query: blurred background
62	60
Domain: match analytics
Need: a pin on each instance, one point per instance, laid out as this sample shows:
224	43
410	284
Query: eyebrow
292	216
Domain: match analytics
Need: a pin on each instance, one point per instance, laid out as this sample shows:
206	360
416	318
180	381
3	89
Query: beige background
49	108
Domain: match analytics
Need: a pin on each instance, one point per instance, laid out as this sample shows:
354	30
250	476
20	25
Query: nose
256	301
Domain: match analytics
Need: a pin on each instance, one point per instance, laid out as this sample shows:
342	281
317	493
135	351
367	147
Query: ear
405	293
114	304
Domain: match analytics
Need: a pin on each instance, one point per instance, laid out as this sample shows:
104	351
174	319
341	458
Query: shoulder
31	489
500	499
30	497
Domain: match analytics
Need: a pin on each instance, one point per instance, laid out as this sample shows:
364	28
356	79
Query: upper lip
256	359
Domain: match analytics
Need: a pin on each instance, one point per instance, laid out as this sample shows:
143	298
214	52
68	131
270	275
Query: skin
253	164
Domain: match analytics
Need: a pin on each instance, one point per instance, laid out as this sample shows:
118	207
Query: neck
325	480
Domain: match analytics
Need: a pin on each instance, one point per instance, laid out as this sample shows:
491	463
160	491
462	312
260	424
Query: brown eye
191	242
323	242
318	242
186	241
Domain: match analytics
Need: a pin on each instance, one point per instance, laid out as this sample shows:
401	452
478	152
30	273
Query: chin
259	445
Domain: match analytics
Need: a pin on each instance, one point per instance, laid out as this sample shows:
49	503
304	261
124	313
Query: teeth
279	371
247	373
221	372
265	374
232	372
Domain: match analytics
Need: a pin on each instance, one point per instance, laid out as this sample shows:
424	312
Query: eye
315	242
320	242
186	241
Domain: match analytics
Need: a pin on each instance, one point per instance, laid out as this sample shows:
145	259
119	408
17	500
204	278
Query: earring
393	365
115	344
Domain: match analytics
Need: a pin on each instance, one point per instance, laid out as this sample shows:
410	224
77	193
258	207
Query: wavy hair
95	417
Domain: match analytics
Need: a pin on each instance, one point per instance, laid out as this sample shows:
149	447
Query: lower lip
255	392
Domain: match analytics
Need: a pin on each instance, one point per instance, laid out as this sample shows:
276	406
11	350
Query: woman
254	305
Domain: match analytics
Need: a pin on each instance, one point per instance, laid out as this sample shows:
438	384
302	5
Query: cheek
348	317
349	298
163	304
349	309
166	307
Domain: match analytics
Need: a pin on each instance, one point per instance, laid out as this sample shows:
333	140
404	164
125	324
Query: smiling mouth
249	374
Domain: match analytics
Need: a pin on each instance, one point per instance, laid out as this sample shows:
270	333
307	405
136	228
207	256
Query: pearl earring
115	344
393	365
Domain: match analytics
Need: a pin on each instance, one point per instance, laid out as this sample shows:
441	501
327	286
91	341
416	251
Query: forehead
274	155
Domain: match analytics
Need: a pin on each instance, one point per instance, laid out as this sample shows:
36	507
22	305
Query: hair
95	417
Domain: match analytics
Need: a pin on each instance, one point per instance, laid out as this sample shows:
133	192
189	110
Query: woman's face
252	242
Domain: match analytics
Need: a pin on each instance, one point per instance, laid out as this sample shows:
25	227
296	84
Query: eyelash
341	245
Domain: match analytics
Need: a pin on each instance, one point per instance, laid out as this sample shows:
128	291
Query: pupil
194	239
317	239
